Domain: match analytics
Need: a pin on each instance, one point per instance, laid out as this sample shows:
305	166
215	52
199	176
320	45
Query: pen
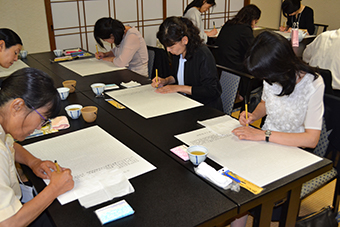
97	50
56	164
214	24
246	105
156	77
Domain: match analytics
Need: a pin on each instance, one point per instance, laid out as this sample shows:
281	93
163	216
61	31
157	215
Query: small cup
58	52
71	84
98	89
74	110
89	113
23	53
63	92
197	154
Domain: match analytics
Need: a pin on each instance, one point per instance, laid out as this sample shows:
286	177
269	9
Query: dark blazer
306	20
201	74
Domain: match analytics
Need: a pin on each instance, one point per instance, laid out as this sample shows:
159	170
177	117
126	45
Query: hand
282	28
212	32
160	83
99	55
168	89
249	133
109	59
43	168
61	181
244	121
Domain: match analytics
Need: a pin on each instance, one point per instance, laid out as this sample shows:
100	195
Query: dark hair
290	6
246	15
199	4
35	87
173	29
105	27
10	37
272	58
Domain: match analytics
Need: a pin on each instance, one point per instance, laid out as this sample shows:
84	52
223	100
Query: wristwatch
268	133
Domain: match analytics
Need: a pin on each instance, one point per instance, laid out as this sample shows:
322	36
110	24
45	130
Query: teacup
197	154
63	92
98	89
89	113
71	84
58	52
23	53
74	110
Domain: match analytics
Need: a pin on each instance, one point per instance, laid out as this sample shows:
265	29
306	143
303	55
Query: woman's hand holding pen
99	55
243	119
61	181
159	82
42	168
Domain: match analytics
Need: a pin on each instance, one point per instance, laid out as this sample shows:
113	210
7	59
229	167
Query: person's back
324	53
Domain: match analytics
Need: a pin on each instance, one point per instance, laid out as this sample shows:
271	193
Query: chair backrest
151	61
317	26
327	78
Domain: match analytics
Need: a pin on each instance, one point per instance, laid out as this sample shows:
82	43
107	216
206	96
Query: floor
319	199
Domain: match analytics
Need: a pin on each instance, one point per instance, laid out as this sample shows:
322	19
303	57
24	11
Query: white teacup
63	92
197	154
23	53
58	52
74	110
98	89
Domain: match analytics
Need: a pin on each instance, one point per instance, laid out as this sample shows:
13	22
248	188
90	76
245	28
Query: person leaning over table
10	46
27	99
298	14
194	10
292	97
194	70
130	48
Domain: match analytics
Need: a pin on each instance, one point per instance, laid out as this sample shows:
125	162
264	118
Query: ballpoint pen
156	78
56	164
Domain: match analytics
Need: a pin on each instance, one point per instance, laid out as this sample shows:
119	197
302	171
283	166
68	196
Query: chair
151	61
327	78
214	50
230	80
317	26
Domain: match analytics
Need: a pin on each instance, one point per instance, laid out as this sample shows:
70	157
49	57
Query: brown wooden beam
50	24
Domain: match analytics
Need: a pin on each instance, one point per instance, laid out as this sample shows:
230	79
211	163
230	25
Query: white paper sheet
287	35
90	66
86	152
258	162
16	65
148	103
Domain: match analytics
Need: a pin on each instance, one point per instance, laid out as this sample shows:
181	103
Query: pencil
214	24
56	164
156	77
246	106
97	50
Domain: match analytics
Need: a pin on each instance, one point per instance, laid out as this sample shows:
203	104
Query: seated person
324	53
298	16
194	70
130	48
194	10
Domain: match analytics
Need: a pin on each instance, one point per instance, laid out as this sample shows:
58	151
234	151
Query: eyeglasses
45	121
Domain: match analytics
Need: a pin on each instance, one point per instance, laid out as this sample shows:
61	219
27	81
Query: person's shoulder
308	9
191	11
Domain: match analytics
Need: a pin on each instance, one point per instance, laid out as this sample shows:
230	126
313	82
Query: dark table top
168	196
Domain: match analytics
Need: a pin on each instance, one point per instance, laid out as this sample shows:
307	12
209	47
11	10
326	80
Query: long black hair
107	26
198	4
10	37
272	58
246	15
173	29
290	6
35	87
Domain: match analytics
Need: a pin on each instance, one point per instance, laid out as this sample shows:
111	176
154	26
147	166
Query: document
16	66
257	161
93	156
146	102
90	66
287	35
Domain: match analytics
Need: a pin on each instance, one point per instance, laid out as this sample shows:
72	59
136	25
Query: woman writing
292	96
27	99
194	11
298	16
130	48
194	70
10	46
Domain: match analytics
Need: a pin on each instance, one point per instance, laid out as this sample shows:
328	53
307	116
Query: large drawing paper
148	103
16	65
90	66
256	161
88	152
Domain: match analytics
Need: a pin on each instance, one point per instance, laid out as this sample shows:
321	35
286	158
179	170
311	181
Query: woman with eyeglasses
28	99
10	46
